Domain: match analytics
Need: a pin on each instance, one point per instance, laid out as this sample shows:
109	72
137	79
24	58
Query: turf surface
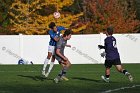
83	79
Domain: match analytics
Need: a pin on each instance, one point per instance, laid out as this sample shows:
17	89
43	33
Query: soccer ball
56	14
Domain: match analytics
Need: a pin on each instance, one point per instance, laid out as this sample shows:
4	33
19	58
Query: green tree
4	8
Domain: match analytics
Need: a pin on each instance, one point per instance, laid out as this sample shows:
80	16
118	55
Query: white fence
84	48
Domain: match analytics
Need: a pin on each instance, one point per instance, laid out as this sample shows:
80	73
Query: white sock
51	66
45	64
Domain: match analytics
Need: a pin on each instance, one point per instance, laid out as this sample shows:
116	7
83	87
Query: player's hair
110	30
67	32
52	25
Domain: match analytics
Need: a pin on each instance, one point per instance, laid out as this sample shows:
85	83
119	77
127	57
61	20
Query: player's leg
46	62
61	76
58	78
108	65
52	50
118	65
65	66
51	66
125	72
64	70
50	53
107	74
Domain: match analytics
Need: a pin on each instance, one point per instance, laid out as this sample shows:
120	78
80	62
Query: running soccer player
112	56
54	33
60	57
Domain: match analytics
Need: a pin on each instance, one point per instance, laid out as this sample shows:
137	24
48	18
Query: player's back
52	36
111	48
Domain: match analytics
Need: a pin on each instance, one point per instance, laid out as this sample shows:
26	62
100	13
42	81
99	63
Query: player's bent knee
49	56
119	69
68	64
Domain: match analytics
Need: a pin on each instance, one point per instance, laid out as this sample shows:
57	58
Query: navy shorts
109	63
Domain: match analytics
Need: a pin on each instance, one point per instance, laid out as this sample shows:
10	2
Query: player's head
67	34
53	26
109	30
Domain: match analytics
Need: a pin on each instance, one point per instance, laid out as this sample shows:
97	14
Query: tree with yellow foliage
26	18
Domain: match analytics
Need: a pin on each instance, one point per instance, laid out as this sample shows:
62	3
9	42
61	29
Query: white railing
84	48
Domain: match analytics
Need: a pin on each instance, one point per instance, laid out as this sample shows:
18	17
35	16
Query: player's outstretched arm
68	45
101	47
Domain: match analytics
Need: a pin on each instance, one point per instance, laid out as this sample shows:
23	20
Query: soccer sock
51	66
63	72
124	72
107	76
45	63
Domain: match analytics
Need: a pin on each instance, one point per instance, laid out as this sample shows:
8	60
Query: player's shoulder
113	38
110	38
51	31
60	41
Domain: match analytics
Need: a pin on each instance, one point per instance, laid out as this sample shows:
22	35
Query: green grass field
83	79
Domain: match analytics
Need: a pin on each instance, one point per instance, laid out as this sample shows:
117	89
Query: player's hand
103	54
101	47
65	58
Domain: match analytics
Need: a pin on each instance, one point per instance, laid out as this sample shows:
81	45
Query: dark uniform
112	55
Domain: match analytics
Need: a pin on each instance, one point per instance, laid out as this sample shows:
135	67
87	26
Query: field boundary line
121	88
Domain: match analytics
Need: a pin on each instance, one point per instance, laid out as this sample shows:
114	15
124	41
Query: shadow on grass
86	79
36	78
98	81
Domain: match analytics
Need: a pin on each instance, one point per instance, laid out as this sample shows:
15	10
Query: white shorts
51	49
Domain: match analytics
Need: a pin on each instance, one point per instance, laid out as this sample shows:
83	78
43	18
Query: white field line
53	71
18	71
121	88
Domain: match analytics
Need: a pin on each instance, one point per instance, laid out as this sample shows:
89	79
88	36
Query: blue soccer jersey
55	34
111	48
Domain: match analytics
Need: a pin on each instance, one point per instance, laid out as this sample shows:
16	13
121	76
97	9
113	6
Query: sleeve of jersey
61	28
59	44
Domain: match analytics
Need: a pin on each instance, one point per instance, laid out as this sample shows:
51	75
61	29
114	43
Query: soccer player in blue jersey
112	56
60	57
54	33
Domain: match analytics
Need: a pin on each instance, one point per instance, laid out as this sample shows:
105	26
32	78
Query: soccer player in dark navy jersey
54	33
112	56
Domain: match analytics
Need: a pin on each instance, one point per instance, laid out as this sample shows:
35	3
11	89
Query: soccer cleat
129	77
64	78
56	80
105	79
43	72
47	74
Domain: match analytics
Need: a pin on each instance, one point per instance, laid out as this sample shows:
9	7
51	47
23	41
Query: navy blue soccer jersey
55	34
111	48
